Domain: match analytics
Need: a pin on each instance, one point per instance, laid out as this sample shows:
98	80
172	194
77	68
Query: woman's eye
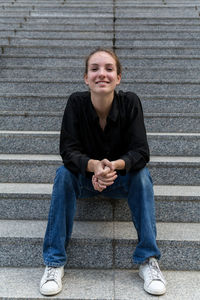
109	69
94	69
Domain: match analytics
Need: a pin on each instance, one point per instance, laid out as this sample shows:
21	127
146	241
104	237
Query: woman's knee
142	178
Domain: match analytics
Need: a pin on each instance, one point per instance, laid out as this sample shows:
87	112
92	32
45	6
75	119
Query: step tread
87	284
47	157
57	133
46	189
101	230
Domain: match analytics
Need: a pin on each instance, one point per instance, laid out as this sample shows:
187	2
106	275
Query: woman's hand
102	181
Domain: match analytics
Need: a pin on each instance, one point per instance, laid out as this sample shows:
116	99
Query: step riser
159	145
53	52
64	74
168	209
43	172
53	123
150	105
119	35
185	13
148	43
64	88
65	35
105	43
119	28
69	62
68	27
101	254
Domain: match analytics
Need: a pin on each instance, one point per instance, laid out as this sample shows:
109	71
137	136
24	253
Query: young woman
104	149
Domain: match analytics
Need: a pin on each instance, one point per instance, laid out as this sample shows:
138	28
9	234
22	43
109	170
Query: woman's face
102	75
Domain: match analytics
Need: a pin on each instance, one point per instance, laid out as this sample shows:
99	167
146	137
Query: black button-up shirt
124	136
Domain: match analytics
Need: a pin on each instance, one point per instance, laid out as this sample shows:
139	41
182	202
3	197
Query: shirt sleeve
137	155
71	148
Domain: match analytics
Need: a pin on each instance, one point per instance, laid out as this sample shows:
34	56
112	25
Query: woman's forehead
100	57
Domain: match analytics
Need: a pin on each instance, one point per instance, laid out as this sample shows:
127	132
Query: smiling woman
104	149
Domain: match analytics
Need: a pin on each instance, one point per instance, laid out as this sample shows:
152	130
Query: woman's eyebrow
109	64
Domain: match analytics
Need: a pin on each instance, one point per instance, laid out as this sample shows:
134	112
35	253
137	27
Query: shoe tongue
153	262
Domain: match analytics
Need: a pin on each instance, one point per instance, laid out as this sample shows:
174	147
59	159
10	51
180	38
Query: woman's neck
102	104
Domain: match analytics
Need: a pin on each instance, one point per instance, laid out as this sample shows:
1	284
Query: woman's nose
101	72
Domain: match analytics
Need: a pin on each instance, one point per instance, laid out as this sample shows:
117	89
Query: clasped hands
104	174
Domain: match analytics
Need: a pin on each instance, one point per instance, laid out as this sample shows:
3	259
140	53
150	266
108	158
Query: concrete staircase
43	45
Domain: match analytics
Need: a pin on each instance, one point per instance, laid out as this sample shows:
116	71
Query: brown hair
109	51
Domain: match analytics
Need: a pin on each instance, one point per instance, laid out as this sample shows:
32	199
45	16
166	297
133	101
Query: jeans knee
143	178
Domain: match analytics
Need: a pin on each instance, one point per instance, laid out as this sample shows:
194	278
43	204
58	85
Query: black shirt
124	136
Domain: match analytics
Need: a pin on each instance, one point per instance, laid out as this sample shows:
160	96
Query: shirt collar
114	111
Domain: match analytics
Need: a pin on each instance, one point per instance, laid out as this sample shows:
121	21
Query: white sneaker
51	282
154	282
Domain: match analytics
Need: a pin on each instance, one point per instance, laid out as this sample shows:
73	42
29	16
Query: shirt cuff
83	164
127	163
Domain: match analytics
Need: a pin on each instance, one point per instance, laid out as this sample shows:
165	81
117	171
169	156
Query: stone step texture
41	169
96	284
43	45
30	201
103	245
47	142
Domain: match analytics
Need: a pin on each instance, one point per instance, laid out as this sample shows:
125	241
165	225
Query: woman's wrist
119	164
92	165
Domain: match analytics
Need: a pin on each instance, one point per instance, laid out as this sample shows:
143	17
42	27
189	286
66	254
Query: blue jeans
136	187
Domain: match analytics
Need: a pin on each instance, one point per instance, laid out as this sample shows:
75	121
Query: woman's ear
86	79
119	77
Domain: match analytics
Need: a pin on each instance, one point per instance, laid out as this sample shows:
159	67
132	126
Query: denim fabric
136	187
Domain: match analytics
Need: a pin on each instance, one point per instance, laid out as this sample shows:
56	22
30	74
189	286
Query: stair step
119	27
130	61
105	34
121	51
30	201
51	121
99	244
153	50
96	284
70	42
41	169
159	12
47	51
68	86
100	34
44	142
43	102
61	74
149	34
149	42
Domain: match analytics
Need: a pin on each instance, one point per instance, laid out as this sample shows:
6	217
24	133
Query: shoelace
155	271
51	274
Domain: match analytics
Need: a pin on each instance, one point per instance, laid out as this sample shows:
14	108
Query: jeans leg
61	216
141	203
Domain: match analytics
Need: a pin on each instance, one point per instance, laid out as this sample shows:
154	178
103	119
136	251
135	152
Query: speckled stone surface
168	208
97	284
76	42
151	103
52	121
100	245
47	143
43	171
